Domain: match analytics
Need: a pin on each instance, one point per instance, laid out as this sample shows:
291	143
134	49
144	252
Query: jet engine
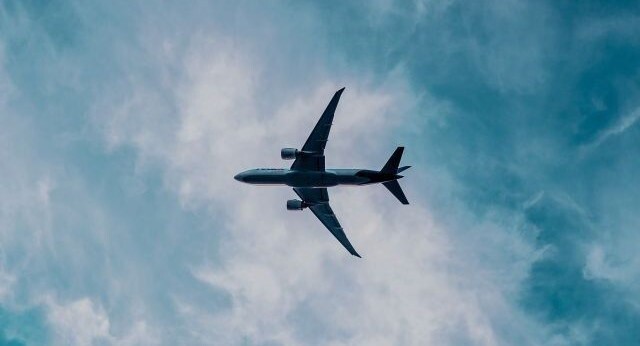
289	153
296	204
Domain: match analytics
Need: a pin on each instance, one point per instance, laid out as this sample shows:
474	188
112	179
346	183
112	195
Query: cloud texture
123	125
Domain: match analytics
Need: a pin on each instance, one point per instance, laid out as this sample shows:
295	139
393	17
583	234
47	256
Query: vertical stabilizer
391	167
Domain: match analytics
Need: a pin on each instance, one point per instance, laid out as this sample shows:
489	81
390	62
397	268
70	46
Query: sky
122	124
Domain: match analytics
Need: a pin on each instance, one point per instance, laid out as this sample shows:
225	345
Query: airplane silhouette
310	179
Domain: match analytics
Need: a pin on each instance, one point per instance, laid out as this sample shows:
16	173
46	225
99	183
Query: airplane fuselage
313	179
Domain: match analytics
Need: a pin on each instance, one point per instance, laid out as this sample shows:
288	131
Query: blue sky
123	123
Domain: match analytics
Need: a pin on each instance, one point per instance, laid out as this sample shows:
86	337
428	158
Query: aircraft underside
313	179
310	179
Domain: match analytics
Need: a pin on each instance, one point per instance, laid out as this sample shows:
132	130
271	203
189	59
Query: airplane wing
317	140
319	200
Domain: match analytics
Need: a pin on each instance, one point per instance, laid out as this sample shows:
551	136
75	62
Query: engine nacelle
296	204
289	153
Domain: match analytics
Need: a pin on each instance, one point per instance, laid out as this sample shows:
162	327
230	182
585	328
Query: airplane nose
238	177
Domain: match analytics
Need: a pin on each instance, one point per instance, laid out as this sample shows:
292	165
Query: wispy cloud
83	322
135	232
618	128
282	270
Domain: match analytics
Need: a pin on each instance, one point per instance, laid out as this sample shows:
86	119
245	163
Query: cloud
620	126
79	322
218	107
125	127
517	127
282	270
83	322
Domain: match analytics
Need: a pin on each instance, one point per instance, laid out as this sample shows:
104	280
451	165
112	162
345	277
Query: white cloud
609	263
419	282
288	280
84	322
79	323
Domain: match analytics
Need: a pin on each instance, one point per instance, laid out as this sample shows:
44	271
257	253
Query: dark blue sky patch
23	327
558	290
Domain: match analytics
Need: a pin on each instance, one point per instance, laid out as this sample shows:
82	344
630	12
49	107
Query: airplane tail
391	167
396	190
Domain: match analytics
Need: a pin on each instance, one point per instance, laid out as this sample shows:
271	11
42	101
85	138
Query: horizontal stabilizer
396	190
403	168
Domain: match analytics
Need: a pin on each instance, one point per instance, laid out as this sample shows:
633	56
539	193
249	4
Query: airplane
310	179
